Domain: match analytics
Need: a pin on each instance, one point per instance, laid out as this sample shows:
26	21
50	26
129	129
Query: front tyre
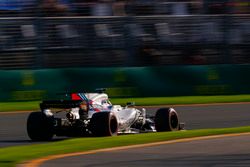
40	127
166	119
104	124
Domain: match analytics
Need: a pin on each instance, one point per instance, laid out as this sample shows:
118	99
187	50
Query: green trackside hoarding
20	85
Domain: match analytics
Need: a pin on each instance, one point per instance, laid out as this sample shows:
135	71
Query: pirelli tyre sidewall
104	124
40	126
166	119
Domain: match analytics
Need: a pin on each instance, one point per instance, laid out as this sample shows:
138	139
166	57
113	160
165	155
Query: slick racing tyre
104	124
40	126
166	119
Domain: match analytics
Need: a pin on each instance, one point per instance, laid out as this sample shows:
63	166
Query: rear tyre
166	119
104	124
40	127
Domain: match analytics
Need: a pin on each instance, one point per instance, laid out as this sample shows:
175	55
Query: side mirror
130	104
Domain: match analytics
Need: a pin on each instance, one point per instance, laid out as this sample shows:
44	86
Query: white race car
92	114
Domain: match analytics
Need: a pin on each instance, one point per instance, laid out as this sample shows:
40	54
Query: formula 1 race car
92	114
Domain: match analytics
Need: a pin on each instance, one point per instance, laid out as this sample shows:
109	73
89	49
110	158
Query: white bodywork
126	116
99	102
92	114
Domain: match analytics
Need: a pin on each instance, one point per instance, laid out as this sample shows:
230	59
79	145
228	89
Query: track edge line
37	162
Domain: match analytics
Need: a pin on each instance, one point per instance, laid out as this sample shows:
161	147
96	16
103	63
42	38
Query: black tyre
40	127
104	124
166	119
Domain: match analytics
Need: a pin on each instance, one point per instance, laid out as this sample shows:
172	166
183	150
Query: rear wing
64	104
76	99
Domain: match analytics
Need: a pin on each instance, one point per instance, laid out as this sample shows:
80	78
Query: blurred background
132	47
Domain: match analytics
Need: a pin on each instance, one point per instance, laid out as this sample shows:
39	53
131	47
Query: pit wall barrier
25	85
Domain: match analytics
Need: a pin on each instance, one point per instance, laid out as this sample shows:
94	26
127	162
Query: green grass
183	100
19	106
34	105
10	156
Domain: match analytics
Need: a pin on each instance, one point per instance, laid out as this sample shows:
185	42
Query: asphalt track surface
13	125
220	152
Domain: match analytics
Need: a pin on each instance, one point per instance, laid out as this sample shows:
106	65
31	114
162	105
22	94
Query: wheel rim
174	120
113	125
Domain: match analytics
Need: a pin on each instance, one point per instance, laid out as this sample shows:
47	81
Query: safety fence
49	42
19	85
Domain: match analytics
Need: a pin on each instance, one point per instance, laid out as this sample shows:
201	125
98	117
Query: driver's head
84	106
